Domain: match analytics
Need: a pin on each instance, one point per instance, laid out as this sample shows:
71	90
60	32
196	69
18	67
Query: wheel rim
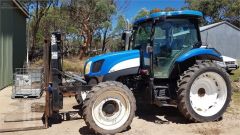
111	110
208	94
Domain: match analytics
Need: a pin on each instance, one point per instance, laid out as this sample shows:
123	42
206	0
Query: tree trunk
34	38
104	39
87	43
90	42
82	52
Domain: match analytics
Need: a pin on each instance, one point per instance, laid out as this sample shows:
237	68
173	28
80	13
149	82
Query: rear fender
200	53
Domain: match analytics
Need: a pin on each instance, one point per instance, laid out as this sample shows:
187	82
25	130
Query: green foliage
121	24
115	44
217	10
144	12
81	22
141	13
91	15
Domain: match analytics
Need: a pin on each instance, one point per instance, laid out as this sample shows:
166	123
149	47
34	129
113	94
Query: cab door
172	38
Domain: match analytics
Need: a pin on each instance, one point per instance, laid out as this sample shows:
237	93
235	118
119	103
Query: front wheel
109	108
204	92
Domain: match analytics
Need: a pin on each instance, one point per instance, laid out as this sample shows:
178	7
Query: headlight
88	67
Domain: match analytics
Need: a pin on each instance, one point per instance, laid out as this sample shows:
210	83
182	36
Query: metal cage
27	83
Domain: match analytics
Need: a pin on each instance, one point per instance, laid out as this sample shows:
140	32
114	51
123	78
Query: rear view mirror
124	36
149	49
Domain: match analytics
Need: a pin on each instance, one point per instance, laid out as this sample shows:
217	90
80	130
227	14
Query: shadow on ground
163	115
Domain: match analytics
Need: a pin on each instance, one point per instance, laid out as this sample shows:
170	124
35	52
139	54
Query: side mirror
124	36
149	49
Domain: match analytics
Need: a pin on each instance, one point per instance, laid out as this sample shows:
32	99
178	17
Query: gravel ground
165	121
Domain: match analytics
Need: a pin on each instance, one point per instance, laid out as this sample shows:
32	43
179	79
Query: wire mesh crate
27	83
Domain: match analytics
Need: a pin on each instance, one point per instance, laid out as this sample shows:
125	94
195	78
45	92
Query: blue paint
170	14
196	52
111	59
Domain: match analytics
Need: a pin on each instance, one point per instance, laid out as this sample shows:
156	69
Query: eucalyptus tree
217	10
90	15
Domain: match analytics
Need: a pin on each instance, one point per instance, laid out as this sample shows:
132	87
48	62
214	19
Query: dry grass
235	75
234	107
236	98
36	64
73	64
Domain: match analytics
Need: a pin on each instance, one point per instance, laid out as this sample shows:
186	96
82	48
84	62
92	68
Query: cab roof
193	13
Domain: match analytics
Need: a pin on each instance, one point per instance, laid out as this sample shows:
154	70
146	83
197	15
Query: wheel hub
110	107
201	92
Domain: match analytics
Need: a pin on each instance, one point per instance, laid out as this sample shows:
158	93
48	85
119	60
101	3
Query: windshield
174	33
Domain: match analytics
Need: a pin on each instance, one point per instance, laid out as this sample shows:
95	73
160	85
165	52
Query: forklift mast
55	67
54	74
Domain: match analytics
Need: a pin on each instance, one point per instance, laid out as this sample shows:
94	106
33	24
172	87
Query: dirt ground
164	121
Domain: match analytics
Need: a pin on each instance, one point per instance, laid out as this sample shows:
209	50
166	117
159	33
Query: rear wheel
109	108
204	92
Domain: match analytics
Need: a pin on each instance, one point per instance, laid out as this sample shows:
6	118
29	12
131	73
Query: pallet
27	94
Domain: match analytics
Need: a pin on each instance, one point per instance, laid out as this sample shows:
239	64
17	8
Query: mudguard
210	53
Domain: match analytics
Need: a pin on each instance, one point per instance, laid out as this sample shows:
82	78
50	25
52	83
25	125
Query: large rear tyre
204	92
109	108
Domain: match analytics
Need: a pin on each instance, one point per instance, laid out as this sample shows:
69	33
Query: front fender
211	54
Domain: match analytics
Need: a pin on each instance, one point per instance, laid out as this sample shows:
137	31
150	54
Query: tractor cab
165	36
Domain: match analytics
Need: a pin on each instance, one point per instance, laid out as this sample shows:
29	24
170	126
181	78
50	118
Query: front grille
229	62
97	66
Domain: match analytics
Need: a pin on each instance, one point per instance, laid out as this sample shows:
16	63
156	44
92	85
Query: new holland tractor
163	65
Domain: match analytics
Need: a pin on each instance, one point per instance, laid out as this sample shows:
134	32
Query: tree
37	9
57	19
217	10
121	25
141	13
106	28
89	15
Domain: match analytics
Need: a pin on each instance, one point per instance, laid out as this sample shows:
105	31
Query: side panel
116	62
115	75
135	62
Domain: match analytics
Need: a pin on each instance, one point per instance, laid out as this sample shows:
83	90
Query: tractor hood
111	62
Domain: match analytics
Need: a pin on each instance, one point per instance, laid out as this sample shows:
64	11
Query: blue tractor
164	65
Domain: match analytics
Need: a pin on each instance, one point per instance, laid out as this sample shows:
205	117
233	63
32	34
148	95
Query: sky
133	6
